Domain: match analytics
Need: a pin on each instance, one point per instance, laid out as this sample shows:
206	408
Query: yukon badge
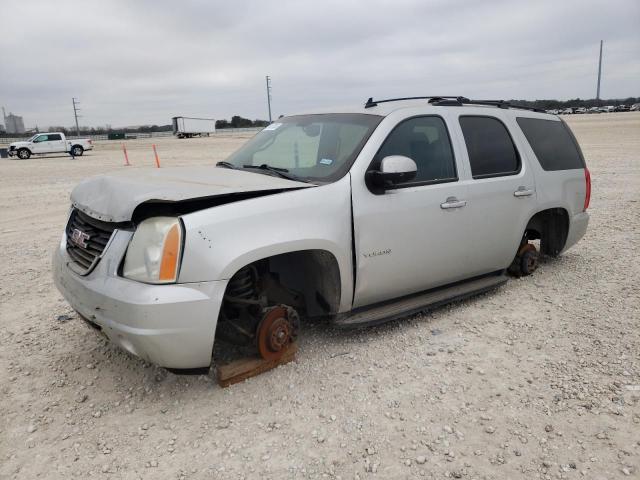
377	253
79	238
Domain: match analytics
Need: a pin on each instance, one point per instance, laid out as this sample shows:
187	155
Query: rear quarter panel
554	189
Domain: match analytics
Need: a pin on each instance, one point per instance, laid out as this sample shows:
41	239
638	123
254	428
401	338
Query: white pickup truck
52	142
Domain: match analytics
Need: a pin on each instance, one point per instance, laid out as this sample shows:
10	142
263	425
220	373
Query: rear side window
55	136
552	142
425	140
491	150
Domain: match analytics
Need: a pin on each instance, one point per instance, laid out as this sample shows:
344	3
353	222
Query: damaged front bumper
170	325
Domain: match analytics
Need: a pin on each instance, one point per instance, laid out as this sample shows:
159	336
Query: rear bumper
170	325
577	228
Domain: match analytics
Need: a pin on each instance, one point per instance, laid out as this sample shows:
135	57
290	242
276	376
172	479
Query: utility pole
75	113
269	95
599	72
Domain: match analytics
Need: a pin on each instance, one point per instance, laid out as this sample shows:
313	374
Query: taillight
587	195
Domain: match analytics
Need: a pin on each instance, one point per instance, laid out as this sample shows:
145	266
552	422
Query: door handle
523	192
453	202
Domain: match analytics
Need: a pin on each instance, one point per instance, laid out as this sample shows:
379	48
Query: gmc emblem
79	238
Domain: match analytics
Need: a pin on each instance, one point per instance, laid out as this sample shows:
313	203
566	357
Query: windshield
316	148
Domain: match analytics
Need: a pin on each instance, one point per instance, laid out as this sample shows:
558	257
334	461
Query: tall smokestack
599	72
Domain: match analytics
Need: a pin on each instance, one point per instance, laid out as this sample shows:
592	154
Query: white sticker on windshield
273	126
326	161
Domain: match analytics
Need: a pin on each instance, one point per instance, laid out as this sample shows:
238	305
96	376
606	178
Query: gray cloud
143	62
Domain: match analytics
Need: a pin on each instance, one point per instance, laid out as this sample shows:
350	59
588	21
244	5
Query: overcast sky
142	62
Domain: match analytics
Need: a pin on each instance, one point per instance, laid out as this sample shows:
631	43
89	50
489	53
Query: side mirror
393	169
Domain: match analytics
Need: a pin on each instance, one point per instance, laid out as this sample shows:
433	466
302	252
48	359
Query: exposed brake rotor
276	331
528	259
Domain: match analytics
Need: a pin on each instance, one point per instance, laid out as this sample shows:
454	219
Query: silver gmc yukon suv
360	215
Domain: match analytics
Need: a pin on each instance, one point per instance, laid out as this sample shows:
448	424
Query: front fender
221	240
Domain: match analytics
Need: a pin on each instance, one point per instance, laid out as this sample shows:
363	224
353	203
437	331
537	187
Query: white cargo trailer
186	127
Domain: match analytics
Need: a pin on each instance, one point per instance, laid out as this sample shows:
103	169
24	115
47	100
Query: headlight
154	252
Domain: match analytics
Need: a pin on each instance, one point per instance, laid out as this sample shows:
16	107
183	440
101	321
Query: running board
381	313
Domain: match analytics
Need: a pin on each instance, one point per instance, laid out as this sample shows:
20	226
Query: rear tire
77	151
24	154
525	262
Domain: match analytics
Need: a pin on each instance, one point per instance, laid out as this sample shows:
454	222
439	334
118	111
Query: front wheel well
315	274
551	227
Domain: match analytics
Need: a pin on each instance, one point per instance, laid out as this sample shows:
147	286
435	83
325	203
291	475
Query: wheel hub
276	331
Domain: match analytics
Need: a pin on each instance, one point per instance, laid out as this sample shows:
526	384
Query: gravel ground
539	379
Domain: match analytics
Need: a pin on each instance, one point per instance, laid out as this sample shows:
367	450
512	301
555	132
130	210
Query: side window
552	142
426	141
41	138
491	150
55	136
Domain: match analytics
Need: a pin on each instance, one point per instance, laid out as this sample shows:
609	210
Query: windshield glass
317	148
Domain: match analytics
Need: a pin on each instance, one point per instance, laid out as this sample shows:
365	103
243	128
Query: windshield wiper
224	164
281	172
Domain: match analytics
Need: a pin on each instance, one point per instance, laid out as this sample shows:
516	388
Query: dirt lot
540	379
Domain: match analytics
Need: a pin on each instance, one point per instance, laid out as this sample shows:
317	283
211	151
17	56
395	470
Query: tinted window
55	136
425	140
491	150
552	142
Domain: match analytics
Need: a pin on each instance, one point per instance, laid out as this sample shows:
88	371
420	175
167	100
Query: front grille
86	240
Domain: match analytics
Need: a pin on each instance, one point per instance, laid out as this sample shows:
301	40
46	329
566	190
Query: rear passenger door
501	192
55	143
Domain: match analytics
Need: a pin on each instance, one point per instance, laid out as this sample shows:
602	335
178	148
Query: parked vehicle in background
553	111
594	110
608	109
580	110
635	107
46	143
187	127
621	108
361	216
567	111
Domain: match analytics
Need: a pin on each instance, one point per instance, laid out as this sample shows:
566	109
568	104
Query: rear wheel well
551	227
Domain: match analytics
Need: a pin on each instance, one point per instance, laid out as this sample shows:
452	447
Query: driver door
414	236
39	144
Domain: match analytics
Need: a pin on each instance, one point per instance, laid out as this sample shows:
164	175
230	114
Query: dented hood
113	197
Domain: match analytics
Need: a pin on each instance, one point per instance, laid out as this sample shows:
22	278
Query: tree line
240	122
574	103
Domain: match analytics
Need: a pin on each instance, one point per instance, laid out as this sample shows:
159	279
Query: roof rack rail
451	100
497	103
372	103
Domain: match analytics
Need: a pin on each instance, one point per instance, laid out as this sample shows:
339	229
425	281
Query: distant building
2	128
14	123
